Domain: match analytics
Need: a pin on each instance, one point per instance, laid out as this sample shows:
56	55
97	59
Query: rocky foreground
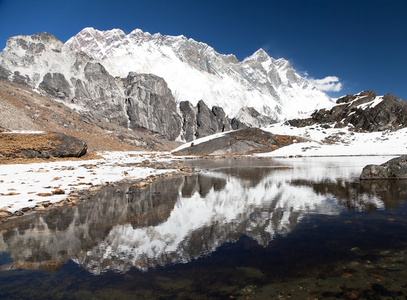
39	186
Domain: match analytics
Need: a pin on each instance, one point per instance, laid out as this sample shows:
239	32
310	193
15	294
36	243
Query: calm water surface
302	228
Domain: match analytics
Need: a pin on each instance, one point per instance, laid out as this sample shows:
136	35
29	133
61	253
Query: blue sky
348	45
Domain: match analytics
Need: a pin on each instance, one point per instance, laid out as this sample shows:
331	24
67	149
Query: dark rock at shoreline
395	168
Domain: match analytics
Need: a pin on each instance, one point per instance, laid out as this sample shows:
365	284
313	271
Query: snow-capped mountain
174	86
195	71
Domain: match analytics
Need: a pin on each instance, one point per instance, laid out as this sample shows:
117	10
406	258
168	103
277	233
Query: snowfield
339	141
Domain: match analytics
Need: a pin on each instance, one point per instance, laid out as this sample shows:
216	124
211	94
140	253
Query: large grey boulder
395	168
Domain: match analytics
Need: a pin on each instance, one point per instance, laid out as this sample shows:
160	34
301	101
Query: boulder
244	141
40	145
395	168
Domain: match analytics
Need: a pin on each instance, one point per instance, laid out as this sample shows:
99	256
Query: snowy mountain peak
194	71
260	55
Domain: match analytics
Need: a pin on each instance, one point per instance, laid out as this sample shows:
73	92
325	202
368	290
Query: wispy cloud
327	84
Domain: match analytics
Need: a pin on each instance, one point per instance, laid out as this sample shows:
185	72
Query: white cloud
327	84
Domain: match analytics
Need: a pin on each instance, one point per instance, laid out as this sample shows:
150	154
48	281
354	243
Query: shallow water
302	228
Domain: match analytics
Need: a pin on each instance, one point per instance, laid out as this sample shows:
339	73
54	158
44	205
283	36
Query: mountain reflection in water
179	219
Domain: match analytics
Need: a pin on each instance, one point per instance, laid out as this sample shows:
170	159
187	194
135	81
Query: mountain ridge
90	73
265	98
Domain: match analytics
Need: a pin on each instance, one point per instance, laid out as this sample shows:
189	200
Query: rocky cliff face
365	111
45	64
200	121
149	103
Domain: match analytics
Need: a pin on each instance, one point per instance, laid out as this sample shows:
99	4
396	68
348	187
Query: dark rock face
4	73
210	121
362	113
395	168
189	124
390	114
150	104
245	141
200	121
55	85
100	94
20	79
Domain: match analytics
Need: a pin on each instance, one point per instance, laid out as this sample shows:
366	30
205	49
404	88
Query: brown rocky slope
25	110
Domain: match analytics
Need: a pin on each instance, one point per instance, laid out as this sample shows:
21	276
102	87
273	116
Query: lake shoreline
72	181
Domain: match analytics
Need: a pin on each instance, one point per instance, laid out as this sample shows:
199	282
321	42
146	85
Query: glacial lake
254	228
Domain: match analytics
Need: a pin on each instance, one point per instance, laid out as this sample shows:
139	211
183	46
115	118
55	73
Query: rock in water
395	168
